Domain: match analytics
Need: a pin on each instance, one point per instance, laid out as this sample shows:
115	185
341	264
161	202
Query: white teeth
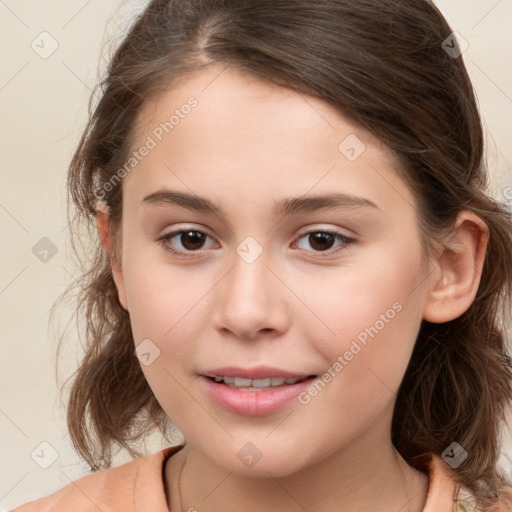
241	382
261	383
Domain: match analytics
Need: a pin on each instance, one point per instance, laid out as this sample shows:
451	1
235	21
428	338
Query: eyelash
163	241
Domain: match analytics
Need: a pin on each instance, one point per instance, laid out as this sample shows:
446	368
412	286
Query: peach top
138	486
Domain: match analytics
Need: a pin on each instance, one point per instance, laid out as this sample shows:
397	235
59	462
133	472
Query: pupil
196	237
321	237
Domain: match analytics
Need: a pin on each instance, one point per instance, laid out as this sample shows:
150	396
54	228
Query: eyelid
186	228
324	229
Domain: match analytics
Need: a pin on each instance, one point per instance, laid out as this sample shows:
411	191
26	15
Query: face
264	231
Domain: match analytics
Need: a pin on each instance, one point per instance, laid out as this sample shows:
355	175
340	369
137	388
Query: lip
259	372
253	403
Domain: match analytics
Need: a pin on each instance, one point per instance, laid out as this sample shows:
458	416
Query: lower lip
254	403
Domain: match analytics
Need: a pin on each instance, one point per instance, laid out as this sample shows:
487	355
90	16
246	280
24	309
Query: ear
453	284
103	224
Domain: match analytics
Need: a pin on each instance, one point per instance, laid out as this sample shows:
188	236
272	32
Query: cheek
367	361
158	294
169	316
371	315
164	306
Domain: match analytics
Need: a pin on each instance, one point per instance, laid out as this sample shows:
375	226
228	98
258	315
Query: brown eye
184	242
192	240
323	241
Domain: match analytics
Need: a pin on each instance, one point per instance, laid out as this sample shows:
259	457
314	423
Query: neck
356	478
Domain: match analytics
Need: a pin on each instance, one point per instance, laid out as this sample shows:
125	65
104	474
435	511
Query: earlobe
453	285
104	233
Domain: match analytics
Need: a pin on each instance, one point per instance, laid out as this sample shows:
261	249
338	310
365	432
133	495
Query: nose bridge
248	282
250	298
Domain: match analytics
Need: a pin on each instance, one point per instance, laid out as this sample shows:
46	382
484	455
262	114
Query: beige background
44	106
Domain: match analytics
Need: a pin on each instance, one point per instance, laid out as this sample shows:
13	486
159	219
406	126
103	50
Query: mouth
262	384
255	392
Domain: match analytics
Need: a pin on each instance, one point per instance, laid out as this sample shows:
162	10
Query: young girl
297	265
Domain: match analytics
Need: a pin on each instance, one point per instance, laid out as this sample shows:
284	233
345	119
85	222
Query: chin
249	461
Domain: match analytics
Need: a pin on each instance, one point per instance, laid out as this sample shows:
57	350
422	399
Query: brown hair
383	65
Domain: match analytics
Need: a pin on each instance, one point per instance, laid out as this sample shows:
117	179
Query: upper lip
259	372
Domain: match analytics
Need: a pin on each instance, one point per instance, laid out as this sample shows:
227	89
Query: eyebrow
286	206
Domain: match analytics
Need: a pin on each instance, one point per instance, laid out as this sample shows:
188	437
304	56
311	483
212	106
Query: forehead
243	132
225	96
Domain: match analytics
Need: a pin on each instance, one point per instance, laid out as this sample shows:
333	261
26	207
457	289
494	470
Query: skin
297	307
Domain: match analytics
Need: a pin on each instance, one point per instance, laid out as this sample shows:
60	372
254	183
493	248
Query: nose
252	301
